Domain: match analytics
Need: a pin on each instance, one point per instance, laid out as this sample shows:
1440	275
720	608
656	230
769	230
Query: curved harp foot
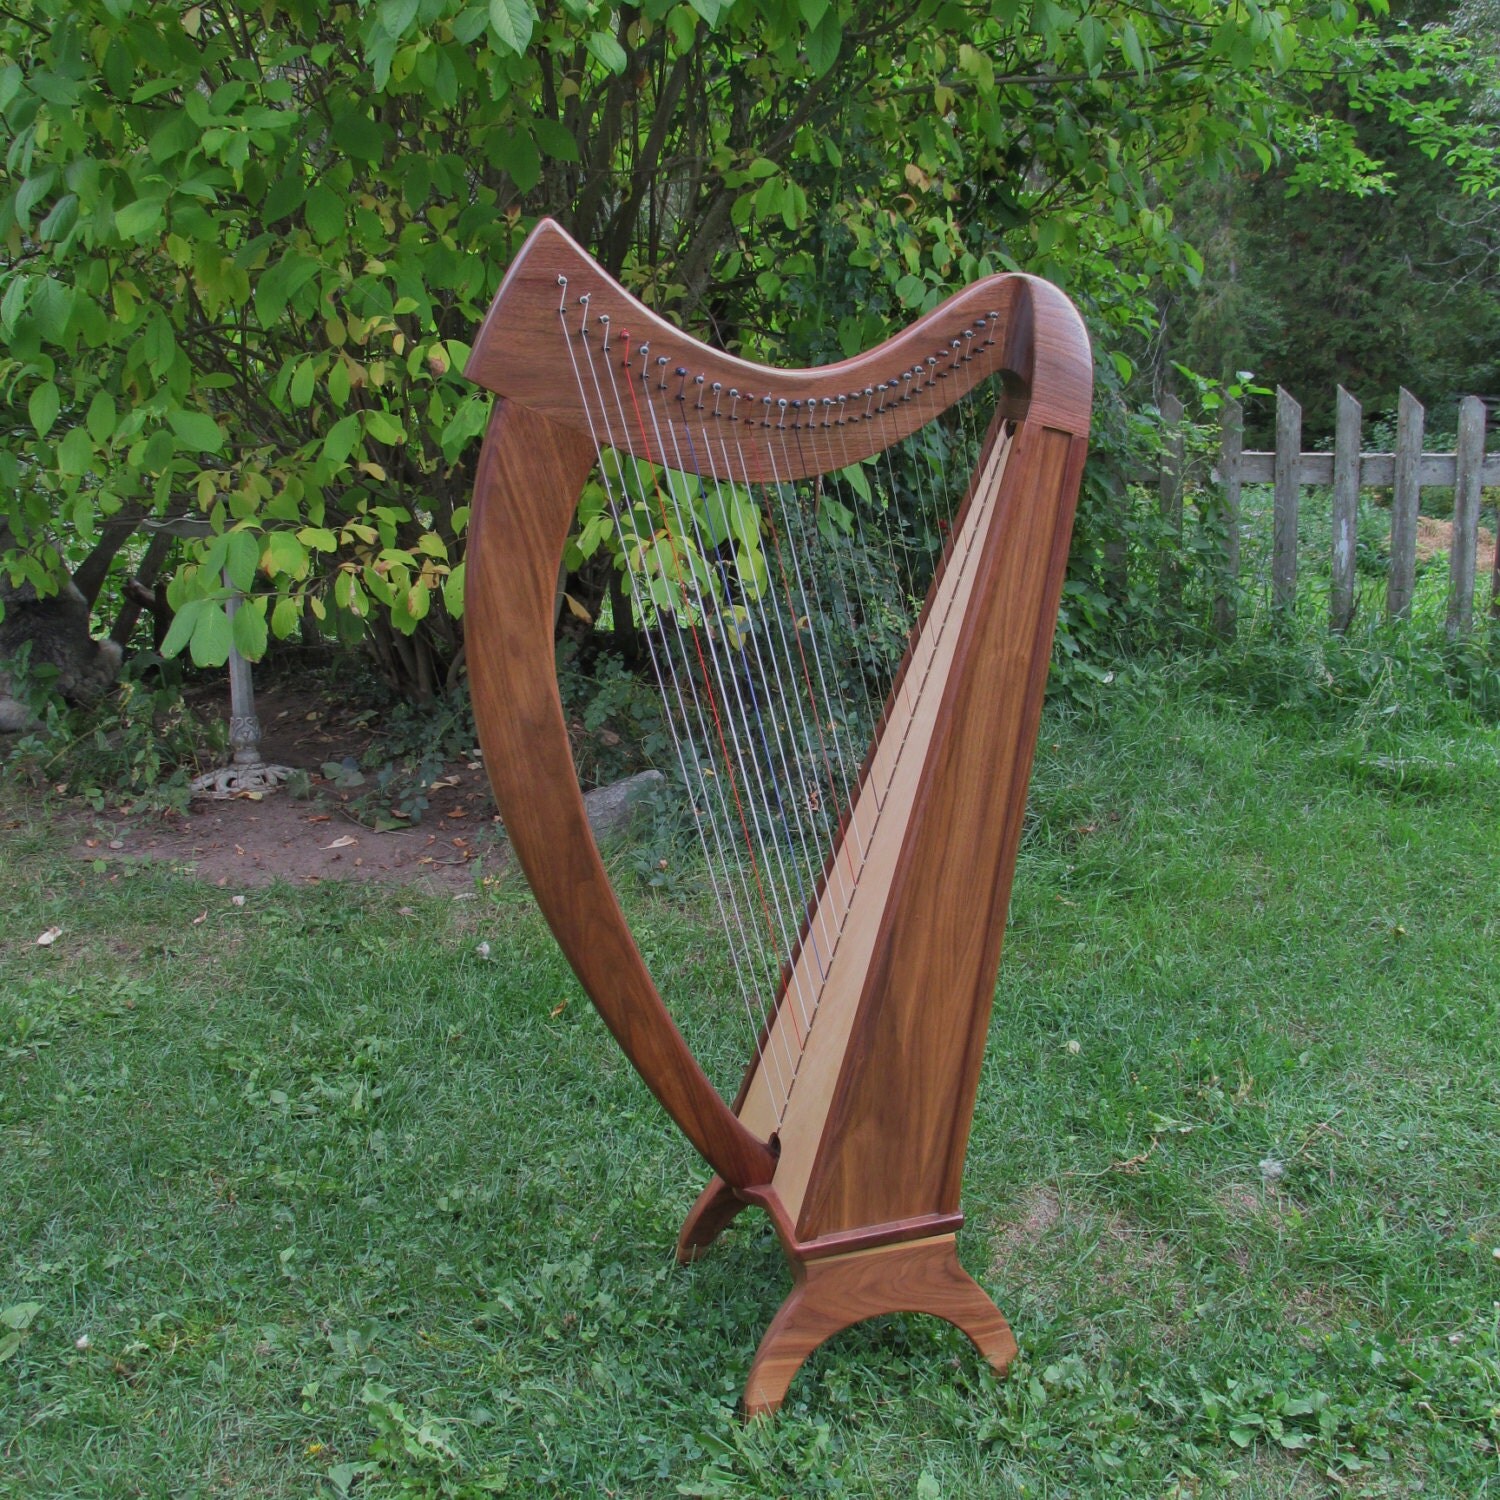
831	1294
707	1219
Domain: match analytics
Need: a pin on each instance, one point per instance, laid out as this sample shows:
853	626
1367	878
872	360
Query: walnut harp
863	887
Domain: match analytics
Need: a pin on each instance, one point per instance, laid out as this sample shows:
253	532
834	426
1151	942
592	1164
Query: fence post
1284	521
1345	511
1231	445
1466	489
1410	418
1170	489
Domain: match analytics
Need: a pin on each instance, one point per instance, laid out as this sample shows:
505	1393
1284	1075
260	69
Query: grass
303	1196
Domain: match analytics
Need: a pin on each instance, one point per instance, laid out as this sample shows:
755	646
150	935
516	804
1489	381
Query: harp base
717	1206
834	1291
837	1291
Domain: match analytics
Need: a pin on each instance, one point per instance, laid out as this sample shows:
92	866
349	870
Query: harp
864	892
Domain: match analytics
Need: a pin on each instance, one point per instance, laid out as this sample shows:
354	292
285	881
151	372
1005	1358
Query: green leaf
512	21
14	300
284	554
286	617
301	389
102	417
75	454
325	214
196	429
823	43
453	592
42	406
518	156
608	50
31	192
384	428
211	639
137	220
858	481
555	139
242	555
19	1315
360	136
396	16
183	624
248	629
342	437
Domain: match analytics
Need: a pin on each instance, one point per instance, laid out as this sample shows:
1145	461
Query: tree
1388	285
244	246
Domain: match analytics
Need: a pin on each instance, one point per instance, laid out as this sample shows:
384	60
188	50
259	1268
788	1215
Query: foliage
137	749
1391	284
244	250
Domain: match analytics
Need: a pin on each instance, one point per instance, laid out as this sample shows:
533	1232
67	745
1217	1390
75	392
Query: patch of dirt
1036	1216
1434	537
1045	1226
246	841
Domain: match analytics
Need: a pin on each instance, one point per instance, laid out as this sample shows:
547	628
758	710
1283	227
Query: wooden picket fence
1348	470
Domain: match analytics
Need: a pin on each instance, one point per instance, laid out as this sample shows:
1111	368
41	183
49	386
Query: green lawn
306	1196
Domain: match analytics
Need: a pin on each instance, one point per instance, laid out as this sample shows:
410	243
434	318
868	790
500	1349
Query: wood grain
878	398
860	1168
832	1294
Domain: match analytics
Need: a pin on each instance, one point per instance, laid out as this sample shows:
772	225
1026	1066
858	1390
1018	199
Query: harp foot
831	1294
707	1219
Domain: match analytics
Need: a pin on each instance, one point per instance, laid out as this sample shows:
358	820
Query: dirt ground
1434	536
248	841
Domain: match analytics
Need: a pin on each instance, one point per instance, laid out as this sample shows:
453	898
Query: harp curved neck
820	419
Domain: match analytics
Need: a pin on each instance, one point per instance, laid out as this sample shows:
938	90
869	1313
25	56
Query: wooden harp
871	969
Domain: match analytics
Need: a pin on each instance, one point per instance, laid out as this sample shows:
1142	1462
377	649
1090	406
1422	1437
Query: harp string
767	711
731	899
891	747
806	802
754	720
768	891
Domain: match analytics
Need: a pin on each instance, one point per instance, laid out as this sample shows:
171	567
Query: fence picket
1231	444
1465	543
1469	471
1284	520
1345	511
1410	418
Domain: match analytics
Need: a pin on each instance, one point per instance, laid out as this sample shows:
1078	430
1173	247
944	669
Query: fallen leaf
406	911
558	1009
201	917
342	842
49	937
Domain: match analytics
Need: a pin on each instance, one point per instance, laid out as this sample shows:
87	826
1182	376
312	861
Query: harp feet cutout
832	1294
837	1291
